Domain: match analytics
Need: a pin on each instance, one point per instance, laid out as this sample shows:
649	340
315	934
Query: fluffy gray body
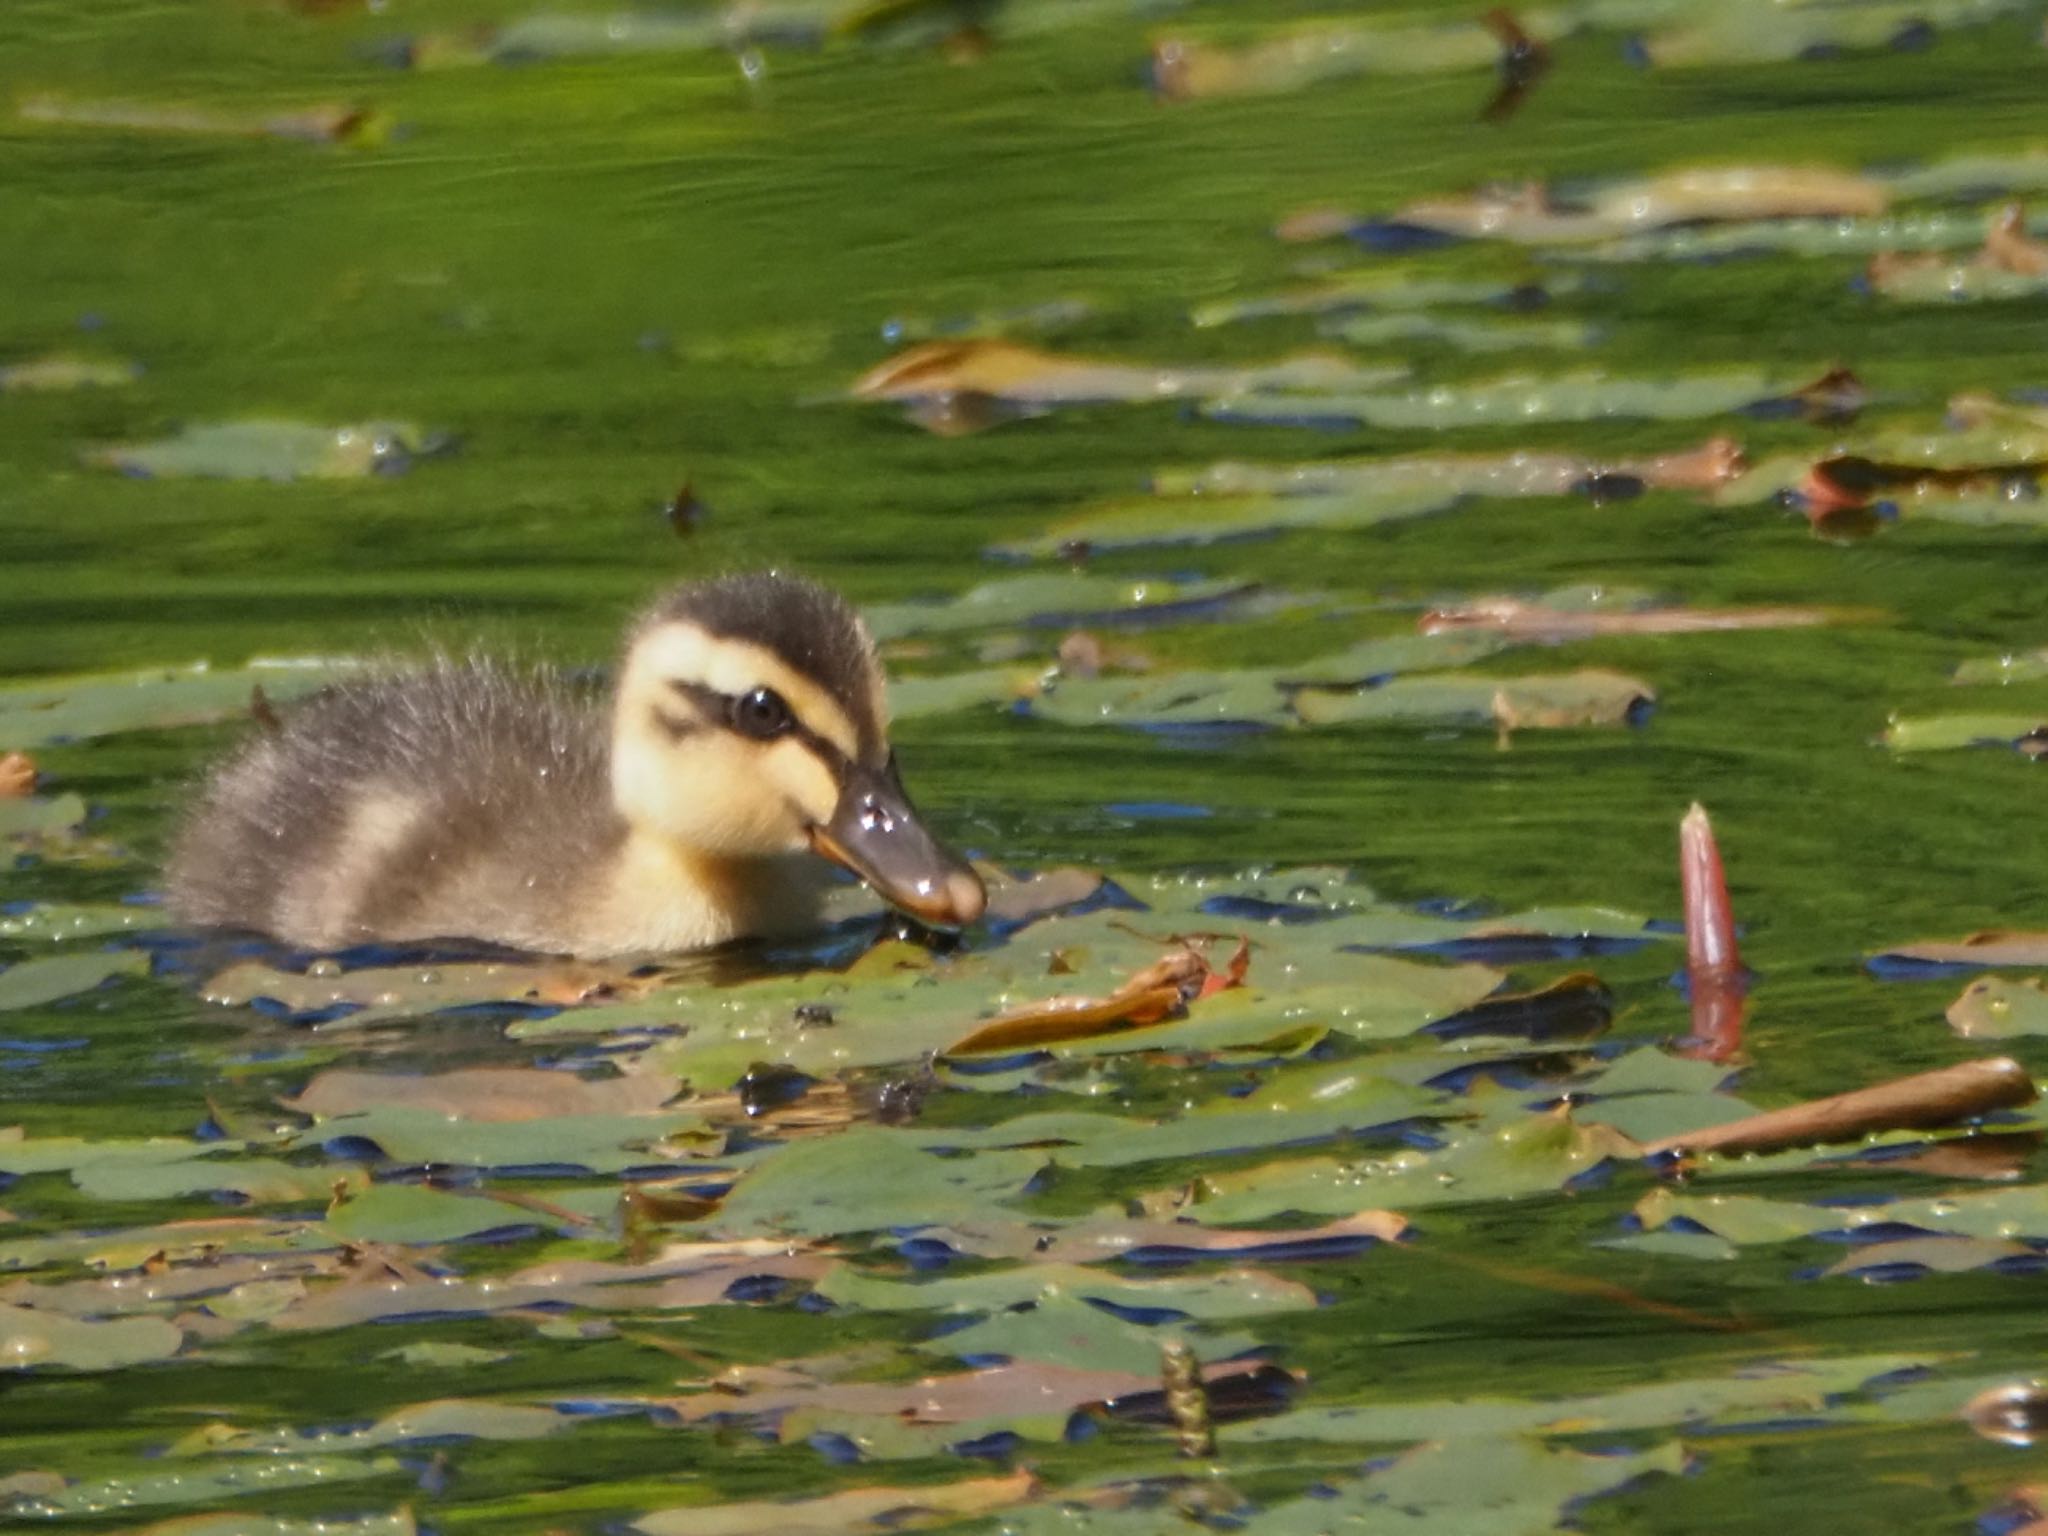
464	798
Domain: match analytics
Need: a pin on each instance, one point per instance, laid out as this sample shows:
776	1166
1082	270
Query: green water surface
606	277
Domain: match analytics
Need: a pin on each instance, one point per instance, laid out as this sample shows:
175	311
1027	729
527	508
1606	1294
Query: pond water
506	285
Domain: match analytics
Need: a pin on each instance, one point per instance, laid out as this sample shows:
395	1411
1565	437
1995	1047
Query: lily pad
47	711
63	371
1228	1293
1768	1389
1585	698
1375	289
187	1482
1515	399
483	1093
952	387
1998	1008
412	1213
30	1339
269	450
1059	1329
31	983
1534	1154
40	816
868	1180
1060	600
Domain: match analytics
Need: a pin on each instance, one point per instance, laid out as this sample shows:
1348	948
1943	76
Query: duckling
746	732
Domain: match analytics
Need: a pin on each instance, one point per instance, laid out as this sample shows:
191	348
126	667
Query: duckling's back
464	798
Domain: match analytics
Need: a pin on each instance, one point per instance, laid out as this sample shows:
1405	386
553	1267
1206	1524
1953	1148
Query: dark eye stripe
712	706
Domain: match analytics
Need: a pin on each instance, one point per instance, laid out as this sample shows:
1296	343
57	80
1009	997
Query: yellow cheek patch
803	781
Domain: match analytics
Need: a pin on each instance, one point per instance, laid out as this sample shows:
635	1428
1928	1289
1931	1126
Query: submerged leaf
269	450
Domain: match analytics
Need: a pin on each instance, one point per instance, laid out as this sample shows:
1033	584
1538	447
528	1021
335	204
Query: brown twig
1924	1101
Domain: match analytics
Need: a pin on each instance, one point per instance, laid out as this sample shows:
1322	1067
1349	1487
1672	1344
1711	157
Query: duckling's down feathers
464	796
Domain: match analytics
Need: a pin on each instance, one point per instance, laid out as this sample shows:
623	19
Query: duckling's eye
761	714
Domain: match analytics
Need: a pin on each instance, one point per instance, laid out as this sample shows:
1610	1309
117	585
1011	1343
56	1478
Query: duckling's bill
875	833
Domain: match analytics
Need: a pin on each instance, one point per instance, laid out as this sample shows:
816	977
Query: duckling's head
751	722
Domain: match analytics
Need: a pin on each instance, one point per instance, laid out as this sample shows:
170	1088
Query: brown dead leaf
17	776
1158	992
484	1093
960	386
1923	1101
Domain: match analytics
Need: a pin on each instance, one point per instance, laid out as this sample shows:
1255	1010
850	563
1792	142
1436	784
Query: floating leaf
55	921
1947	733
1093	1240
1580	613
1995	948
867	1180
1762	33
412	1213
1228	1293
189	1483
40	816
448	1418
379	994
31	983
1374	288
260	1181
2011	667
1515	399
46	711
328	124
1589	697
30	1339
1464	335
483	1093
1926	1255
847	1511
951	386
1767	1390
60	371
418	1135
1995	1008
1065	1330
398	1523
1060	600
270	450
1699	195
1190	68
1533	1155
